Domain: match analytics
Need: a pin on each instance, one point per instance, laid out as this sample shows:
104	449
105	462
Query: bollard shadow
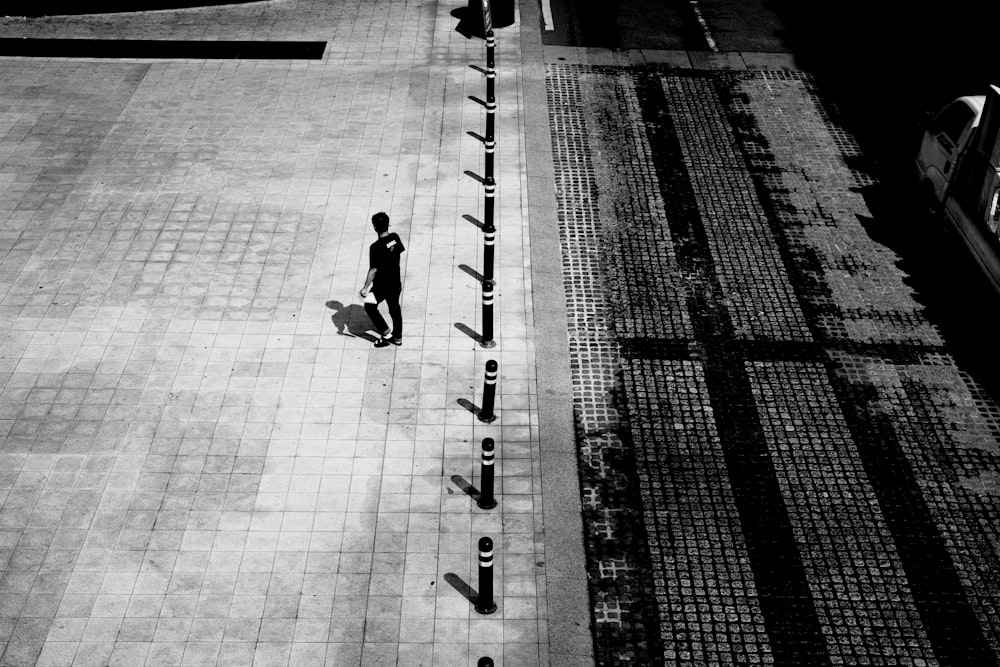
481	70
463	588
468	332
470	406
472	272
474	221
478	137
350	320
469	25
477	100
472	174
465	486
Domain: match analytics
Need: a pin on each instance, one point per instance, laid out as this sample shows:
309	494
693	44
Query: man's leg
396	313
377	319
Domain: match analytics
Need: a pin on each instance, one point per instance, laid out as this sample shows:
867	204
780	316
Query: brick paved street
781	461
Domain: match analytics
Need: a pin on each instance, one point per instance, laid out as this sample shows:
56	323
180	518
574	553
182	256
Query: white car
945	138
958	168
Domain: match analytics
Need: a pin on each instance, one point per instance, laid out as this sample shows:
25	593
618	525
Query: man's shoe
384	342
396	341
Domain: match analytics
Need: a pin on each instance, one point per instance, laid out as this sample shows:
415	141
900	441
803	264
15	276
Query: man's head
380	221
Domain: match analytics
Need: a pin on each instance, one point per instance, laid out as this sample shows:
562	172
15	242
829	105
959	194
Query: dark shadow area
885	68
350	320
470	17
161	48
470	406
469	25
478	137
459	585
886	65
468	332
946	281
472	272
465	486
64	8
477	100
476	176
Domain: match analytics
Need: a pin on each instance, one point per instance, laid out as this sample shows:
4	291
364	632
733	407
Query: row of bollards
489	192
487	501
484	603
491	102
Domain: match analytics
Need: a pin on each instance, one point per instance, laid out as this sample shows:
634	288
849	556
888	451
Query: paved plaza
204	461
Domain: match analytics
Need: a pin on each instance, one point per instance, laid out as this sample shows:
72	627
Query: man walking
383	282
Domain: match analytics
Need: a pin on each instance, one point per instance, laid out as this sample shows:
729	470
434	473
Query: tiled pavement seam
258	484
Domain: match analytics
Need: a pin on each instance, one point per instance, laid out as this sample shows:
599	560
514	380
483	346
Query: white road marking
704	25
547	15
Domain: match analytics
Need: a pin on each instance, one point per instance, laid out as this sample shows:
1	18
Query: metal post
484	602
486	500
487	338
489	231
491	103
489	392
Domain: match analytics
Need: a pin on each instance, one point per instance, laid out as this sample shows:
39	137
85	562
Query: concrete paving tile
346	653
234	654
137	630
93	653
450	654
129	653
57	654
308	654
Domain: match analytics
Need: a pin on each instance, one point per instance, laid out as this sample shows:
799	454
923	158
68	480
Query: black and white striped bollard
487	338
489	229
486	500
484	602
489	392
491	103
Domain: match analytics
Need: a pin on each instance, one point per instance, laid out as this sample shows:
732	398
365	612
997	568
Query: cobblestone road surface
781	461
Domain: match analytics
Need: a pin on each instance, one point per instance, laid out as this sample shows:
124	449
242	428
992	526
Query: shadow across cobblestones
770	401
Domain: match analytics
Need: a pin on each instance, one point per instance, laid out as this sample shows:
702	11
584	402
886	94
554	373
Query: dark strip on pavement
949	620
768	350
30	47
786	602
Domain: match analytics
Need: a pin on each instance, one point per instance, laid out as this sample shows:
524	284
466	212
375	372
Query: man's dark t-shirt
383	256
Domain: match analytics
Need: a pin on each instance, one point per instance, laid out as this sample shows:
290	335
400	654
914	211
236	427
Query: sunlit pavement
203	459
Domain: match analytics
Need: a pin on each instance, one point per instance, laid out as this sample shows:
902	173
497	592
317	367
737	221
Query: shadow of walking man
350	320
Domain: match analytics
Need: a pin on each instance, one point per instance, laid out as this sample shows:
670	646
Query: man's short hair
380	221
